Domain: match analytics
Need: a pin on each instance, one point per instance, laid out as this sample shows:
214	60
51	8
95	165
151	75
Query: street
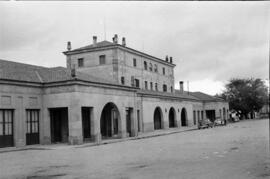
238	150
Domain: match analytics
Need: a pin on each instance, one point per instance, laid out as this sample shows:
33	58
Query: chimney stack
167	58
115	39
170	59
181	83
94	40
124	41
68	45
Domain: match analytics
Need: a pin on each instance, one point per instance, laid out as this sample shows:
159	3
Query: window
6	122
163	70
150	67
171	89
145	85
137	83
198	114
102	59
145	65
165	88
132	81
134	62
151	85
122	80
156	87
80	62
156	69
32	119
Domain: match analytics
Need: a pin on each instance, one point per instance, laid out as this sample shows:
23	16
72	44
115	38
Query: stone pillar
19	123
75	120
122	130
133	122
95	125
45	126
165	118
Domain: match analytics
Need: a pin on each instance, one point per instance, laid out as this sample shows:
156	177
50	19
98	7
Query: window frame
101	58
80	62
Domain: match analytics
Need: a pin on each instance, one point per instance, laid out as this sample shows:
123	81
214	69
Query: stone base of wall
75	140
45	141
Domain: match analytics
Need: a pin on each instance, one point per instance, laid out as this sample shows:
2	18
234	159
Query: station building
106	91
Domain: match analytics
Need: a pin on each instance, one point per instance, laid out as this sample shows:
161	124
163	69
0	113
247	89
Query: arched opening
172	121
184	117
109	121
157	118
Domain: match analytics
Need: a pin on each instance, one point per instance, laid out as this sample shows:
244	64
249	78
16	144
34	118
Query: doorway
59	125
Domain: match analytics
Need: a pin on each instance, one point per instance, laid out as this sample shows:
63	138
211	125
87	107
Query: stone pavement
155	133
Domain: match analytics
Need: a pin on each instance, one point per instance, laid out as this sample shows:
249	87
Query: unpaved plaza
238	150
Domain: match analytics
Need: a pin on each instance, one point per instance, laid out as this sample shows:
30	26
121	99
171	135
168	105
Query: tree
246	95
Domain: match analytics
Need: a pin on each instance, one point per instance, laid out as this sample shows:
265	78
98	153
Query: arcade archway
109	121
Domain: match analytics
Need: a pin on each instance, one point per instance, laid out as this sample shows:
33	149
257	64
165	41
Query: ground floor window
6	127
32	126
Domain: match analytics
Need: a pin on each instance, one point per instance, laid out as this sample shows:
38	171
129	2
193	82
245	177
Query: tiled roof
111	44
177	94
98	44
205	97
30	73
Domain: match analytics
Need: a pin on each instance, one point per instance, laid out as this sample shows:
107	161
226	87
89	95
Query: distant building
108	90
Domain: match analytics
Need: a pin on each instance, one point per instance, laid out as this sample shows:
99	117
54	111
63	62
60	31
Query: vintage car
205	123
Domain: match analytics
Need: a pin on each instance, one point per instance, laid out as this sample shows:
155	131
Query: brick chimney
94	40
68	45
124	41
181	84
170	59
115	39
167	58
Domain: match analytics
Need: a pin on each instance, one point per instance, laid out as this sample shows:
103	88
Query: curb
39	147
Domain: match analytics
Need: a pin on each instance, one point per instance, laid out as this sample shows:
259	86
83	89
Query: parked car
234	117
205	123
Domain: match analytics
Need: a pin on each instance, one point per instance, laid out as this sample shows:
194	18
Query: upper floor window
134	62
145	65
145	85
163	71
150	67
155	69
165	88
122	80
151	85
156	87
132	81
102	59
80	62
137	83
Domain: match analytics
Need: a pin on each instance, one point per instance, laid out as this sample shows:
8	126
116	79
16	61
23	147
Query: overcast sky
210	42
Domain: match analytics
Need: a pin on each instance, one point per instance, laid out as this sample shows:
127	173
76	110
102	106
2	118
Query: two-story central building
108	90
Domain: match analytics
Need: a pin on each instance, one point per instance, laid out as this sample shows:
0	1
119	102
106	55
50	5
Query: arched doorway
109	121
172	121
184	117
157	118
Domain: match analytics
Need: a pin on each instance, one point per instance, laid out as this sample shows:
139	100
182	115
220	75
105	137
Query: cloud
211	41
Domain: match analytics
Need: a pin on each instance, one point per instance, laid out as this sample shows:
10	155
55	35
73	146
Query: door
86	118
128	121
6	128
32	126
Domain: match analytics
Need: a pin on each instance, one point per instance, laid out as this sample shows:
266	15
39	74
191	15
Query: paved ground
239	150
